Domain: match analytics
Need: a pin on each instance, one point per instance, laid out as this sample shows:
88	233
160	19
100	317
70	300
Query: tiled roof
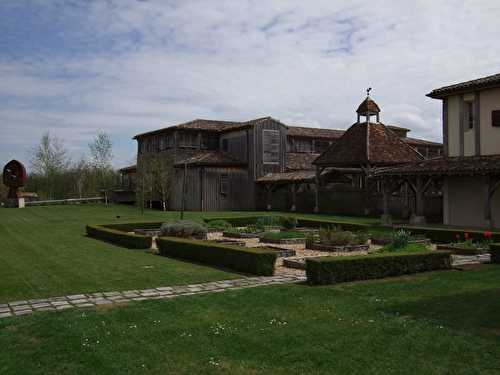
368	106
368	143
421	142
214	126
480	83
132	168
302	131
300	161
470	165
285	177
209	158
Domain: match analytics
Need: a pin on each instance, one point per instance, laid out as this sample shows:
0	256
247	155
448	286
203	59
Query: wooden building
228	165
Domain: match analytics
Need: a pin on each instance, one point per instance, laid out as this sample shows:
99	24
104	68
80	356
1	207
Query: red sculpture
14	177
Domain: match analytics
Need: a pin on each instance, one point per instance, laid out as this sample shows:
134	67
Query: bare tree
101	154
162	176
49	160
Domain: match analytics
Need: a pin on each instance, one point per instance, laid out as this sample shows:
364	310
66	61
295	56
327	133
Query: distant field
432	323
44	252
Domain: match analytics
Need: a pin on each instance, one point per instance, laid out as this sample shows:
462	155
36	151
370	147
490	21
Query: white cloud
302	62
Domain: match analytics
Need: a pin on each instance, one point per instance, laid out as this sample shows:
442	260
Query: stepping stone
5	315
77	296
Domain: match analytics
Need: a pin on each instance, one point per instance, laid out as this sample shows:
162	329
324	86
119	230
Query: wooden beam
294	191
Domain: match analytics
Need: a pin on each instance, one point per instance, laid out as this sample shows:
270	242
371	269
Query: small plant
183	228
274	236
360	238
219	224
267	221
400	239
288	222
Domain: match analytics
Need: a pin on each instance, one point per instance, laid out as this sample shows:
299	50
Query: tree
162	177
49	160
101	154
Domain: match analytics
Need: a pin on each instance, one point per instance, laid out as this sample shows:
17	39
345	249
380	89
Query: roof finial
368	91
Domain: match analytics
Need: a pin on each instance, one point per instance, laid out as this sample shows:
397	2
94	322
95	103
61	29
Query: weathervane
368	91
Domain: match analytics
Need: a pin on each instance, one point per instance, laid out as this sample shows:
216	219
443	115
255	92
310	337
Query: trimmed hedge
131	241
495	252
248	260
129	227
240	221
446	235
331	270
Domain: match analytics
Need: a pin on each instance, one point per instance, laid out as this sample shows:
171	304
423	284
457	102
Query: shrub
360	238
335	237
267	221
249	260
132	241
400	239
411	247
219	224
183	228
495	252
288	222
330	270
276	236
450	235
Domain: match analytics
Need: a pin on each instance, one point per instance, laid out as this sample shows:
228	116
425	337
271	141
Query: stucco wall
490	136
453	126
465	202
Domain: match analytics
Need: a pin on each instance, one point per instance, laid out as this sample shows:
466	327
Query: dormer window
469	114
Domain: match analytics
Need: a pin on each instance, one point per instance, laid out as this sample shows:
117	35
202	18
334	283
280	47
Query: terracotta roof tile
208	158
368	106
300	161
447	166
484	82
368	143
303	131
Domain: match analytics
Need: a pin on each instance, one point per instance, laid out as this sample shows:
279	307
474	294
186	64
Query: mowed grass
432	323
44	252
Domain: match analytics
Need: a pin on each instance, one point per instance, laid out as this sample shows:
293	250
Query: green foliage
276	236
495	253
444	235
334	236
129	240
330	270
183	228
400	239
249	260
267	221
219	224
412	247
288	222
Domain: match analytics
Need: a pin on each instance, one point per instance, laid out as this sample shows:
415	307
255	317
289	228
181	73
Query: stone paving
93	300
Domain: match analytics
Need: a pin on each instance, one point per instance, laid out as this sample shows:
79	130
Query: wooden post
419	189
294	190
316	184
386	218
268	197
184	192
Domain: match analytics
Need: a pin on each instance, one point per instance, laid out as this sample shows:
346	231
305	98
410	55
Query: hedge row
129	227
446	235
248	260
495	253
330	270
240	221
131	241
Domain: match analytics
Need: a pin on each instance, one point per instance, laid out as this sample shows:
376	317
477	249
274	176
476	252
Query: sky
75	68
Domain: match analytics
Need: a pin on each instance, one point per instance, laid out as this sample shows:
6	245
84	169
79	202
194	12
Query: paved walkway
93	300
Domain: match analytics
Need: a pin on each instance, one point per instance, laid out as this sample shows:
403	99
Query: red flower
488	234
466	236
457	236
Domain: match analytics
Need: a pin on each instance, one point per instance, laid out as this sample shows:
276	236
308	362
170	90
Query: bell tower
368	108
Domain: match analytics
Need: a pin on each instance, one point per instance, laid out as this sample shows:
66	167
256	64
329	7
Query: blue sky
75	68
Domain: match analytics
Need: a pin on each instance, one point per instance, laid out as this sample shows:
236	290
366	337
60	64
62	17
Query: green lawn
44	252
432	323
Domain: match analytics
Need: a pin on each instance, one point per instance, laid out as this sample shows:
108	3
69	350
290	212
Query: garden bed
240	235
463	250
383	242
336	248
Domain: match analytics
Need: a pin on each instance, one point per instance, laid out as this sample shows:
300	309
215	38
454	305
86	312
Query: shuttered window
495	118
271	146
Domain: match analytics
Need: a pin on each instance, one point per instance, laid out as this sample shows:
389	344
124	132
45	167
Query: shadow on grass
473	312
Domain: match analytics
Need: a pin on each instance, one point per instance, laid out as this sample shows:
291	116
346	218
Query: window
303	145
271	146
321	146
469	114
224	184
187	139
209	142
495	118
